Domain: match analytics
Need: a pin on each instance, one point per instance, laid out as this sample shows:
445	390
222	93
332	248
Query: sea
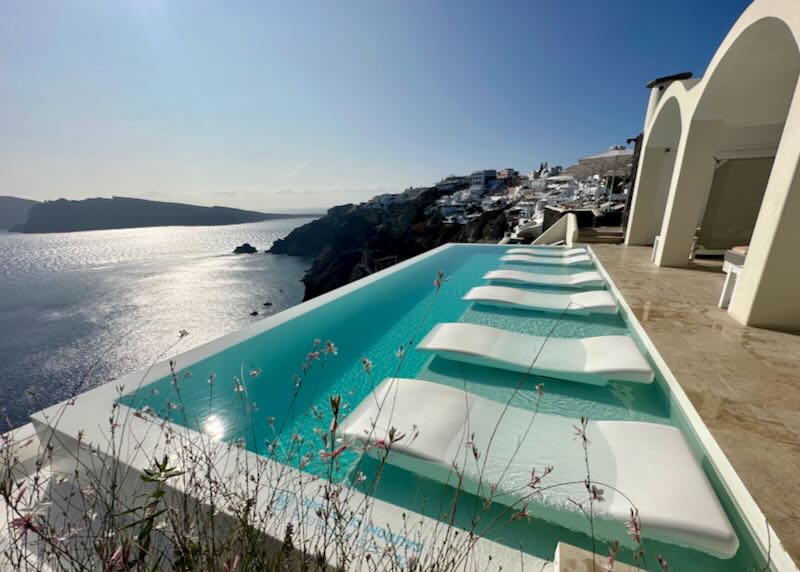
80	309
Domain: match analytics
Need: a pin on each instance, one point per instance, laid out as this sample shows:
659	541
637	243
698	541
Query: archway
747	114
655	175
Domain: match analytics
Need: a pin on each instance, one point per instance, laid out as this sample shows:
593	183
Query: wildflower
597	493
187	374
26	522
312	356
154	391
333	454
330	348
366	363
536	480
120	557
385	444
521	514
237	385
360	477
317	342
662	562
182	334
400	352
271	421
580	432
147	410
68	533
256	372
212	377
471	444
306	460
612	555
440	279
232	566
634	526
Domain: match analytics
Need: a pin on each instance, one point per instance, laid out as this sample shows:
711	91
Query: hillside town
596	190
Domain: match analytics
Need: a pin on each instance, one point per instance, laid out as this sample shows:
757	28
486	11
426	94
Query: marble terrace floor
744	382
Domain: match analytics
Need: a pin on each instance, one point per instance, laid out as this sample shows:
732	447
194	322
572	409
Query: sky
301	105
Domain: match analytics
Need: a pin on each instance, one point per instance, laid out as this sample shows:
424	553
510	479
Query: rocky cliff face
353	241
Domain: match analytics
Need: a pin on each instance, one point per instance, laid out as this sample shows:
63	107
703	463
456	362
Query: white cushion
594	301
575	260
590	279
546	251
594	360
651	464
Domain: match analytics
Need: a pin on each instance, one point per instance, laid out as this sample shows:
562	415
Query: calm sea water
80	309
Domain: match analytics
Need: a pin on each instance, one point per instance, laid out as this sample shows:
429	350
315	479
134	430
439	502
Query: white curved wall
746	105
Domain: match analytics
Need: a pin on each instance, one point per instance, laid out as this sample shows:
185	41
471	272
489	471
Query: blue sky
306	104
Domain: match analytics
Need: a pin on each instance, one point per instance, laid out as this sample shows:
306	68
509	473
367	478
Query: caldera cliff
353	241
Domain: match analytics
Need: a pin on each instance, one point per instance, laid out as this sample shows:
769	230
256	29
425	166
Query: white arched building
719	164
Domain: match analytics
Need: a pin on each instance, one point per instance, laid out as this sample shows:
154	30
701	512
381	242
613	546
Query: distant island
13	211
120	212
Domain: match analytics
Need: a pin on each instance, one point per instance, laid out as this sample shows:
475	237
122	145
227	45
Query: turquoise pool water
375	321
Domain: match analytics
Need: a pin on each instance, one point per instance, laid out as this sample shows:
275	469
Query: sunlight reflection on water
79	309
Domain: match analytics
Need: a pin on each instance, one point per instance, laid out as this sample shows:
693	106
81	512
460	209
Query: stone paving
744	382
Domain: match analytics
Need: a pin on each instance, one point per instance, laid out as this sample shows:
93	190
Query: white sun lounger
651	464
547	251
590	302
575	260
596	360
589	279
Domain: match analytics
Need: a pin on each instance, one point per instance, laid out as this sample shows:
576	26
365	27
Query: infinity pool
259	393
